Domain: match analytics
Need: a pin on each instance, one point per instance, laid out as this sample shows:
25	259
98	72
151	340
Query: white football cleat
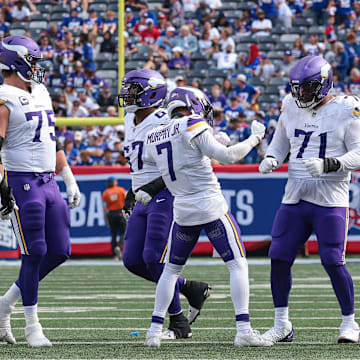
5	327
153	339
35	337
252	338
284	334
349	334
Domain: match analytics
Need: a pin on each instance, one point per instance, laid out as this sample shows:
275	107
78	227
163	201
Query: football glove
72	189
268	165
129	204
7	200
316	166
258	130
143	197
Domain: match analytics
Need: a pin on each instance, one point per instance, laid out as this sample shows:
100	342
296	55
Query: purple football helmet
194	100
311	79
142	89
20	54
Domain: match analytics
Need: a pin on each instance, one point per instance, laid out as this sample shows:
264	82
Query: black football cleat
179	328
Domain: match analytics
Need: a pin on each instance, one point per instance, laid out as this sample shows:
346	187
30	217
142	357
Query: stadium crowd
240	53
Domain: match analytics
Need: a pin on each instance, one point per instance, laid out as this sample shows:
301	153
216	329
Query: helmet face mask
20	54
310	81
142	89
194	100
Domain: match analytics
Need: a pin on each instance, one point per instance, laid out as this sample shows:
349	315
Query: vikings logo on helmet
142	89
20	54
194	100
311	79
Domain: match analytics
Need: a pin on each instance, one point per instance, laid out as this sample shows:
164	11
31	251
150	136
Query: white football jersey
187	173
30	137
330	131
143	170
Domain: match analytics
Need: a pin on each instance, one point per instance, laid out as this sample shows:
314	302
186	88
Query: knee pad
32	216
238	263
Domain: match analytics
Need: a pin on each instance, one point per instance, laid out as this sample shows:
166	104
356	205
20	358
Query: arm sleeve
280	145
154	187
226	155
351	160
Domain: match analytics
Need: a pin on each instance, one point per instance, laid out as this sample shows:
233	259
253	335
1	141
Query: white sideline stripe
202	318
233	328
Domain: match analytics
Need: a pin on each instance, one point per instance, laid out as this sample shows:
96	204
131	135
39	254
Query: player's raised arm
210	147
63	169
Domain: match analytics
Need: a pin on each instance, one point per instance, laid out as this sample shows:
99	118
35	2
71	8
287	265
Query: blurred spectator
214	32
180	81
283	69
205	43
296	9
78	144
173	10
241	28
220	123
194	30
130	20
96	147
343	9
352	49
266	68
107	159
341	62
130	47
269	8
285	14
215	5
203	12
190	5
313	47
46	48
330	34
353	85
217	99
85	100
58	109
244	92
111	22
56	79
63	133
253	60
87	53
226	39
162	24
76	110
85	158
96	81
273	113
20	12
227	88
105	98
70	93
222	22
108	44
135	5
298	51
111	111
169	82
93	24
338	86
178	60
72	154
149	35
141	25
225	59
4	26
167	40
261	26
55	34
232	110
77	77
73	21
320	9
196	84
351	22
186	41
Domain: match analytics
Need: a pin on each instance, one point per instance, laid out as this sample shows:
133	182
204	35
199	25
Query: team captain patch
24	100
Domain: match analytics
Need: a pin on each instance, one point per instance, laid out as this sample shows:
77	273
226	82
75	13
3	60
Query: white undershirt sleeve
226	155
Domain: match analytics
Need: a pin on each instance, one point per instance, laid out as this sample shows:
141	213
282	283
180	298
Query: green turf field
89	311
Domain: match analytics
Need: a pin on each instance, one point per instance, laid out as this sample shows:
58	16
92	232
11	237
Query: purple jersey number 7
38	114
168	147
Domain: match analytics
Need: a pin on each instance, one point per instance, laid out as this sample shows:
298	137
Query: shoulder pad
192	126
288	100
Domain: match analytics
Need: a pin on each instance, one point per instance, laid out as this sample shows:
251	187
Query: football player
322	134
30	156
182	150
142	94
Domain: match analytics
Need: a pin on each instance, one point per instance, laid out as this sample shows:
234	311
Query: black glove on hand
7	200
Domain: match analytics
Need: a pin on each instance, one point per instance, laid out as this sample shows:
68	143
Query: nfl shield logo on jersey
26	187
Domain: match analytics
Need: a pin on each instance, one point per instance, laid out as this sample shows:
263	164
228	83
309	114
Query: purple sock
280	282
343	286
181	282
28	280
